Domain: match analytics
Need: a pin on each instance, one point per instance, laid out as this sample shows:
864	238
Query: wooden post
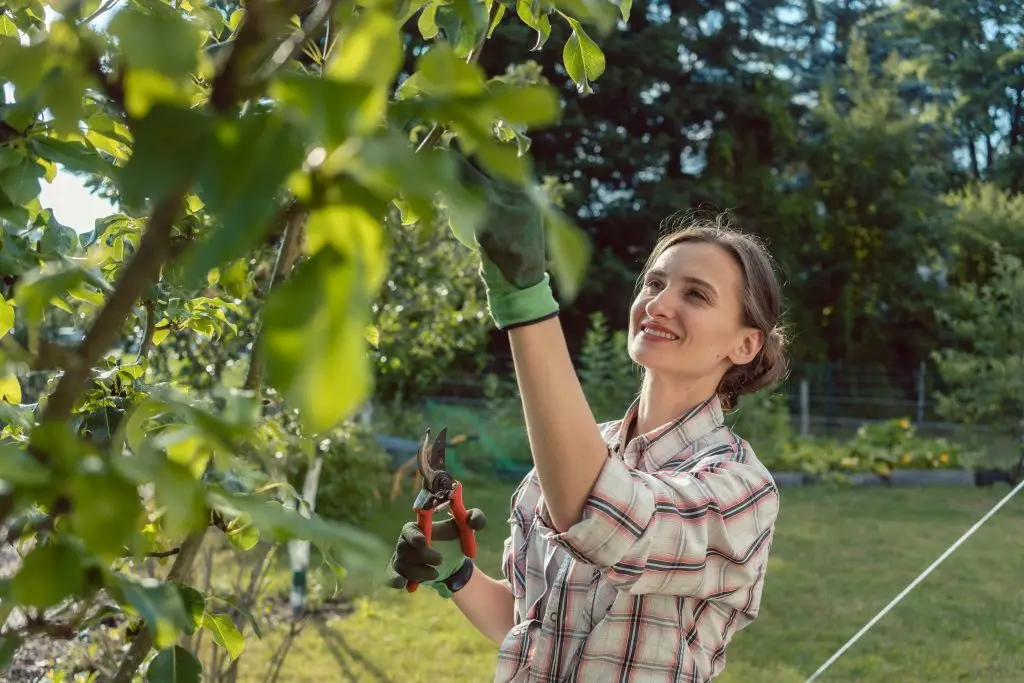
805	407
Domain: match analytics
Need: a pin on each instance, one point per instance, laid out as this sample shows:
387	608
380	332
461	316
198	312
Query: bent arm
488	605
704	532
567	446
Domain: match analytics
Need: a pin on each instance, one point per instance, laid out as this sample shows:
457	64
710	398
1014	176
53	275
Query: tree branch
291	246
147	338
155	247
140	272
143	642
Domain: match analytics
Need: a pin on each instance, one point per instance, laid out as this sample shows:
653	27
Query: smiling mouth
659	333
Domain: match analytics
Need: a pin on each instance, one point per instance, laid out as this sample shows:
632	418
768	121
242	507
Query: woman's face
687	321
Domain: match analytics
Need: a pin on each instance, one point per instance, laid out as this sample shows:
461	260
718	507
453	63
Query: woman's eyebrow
700	283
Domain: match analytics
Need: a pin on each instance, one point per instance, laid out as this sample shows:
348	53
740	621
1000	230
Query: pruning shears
440	489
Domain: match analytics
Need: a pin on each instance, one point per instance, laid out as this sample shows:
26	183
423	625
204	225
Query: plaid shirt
665	566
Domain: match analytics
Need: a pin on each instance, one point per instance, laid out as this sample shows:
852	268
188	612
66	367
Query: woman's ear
748	346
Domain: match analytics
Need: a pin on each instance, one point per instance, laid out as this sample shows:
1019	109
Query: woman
638	548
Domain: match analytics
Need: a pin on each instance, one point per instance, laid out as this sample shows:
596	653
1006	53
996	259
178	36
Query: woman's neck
662	401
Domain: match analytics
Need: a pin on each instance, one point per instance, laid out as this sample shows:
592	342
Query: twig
102	9
147	338
291	246
143	642
164	553
292	45
435	134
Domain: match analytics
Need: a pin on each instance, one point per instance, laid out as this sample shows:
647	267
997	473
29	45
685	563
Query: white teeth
659	333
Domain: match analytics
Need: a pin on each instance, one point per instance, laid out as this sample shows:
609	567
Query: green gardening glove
414	562
513	255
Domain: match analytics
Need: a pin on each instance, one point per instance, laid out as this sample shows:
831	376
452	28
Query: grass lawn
839	557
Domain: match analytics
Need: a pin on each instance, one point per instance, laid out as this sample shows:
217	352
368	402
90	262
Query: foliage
877	448
610	378
430	316
762	419
353	473
984	218
257	158
985	374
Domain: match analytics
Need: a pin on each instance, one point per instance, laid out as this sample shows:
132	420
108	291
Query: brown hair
761	298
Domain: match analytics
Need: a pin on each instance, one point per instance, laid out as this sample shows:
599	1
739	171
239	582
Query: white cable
919	579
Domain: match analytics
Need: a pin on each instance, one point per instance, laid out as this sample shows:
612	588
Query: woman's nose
659	305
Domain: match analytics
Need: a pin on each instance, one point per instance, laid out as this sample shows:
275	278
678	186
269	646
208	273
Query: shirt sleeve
705	532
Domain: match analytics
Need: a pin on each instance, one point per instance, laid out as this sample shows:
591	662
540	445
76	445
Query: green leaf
278	523
240	182
334	110
49	573
195	606
22	182
8	27
174	665
245	537
369	50
224	633
442	73
57	239
145	88
583	59
354	233
427	23
35	291
19	468
178	491
529	12
316	353
162	162
158	604
534	105
105	510
570	252
23	65
74	156
6	316
159	39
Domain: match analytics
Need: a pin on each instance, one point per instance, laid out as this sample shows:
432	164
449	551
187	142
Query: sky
72	204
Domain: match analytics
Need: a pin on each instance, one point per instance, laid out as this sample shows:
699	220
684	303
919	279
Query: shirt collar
671	439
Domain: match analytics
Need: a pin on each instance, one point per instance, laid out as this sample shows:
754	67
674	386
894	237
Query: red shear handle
466	536
425	521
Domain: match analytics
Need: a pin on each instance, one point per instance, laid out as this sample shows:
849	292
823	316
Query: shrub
763	419
609	376
353	476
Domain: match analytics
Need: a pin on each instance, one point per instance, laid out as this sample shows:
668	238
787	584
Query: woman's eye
698	294
653	284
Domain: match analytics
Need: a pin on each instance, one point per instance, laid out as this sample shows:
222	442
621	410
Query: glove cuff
455	581
512	307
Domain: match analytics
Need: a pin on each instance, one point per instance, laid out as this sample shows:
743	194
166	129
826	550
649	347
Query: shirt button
553	616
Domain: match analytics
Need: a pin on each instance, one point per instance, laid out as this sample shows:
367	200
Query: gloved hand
414	562
513	256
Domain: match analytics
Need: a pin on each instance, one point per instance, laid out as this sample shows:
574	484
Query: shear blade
430	459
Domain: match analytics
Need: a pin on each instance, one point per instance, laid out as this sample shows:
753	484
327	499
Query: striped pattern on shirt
665	566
